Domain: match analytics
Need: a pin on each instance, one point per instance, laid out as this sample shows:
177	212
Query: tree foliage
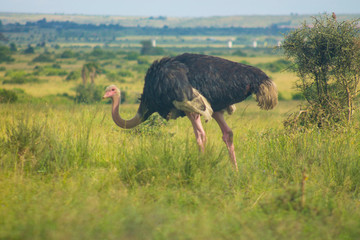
29	50
326	57
5	54
89	93
44	57
7	96
90	69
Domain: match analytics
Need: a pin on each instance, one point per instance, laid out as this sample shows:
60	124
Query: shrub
54	70
29	50
276	66
143	60
19	77
125	73
56	65
140	68
132	56
74	75
118	76
112	76
89	93
239	53
7	96
22	80
102	54
13	47
15	73
67	54
44	57
326	58
5	54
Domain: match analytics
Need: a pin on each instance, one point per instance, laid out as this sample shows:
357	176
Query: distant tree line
67	28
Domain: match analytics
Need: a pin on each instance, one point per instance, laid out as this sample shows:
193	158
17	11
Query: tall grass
69	172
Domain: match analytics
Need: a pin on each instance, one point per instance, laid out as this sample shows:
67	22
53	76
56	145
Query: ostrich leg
227	136
198	130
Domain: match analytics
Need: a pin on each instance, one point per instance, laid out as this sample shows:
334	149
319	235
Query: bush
143	60
22	80
102	54
50	71
16	73
13	47
44	57
5	54
239	53
7	96
89	93
326	58
29	50
19	77
125	73
112	76
67	54
56	65
140	68
74	75
116	76
132	56
277	66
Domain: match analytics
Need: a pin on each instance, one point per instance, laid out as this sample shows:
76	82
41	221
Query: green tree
29	50
44	57
91	69
13	47
5	54
3	38
326	57
67	54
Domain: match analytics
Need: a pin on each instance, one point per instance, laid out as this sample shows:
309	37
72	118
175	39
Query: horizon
185	9
209	16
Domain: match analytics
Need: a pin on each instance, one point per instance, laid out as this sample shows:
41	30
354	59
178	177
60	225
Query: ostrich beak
107	95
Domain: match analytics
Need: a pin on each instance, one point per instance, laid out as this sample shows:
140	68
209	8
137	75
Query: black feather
220	81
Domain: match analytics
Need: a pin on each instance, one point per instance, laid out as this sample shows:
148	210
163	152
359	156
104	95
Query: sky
181	8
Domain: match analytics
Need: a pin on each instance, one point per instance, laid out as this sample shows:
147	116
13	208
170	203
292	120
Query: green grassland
68	172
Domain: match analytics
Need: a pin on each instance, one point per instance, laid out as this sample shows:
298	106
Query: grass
69	172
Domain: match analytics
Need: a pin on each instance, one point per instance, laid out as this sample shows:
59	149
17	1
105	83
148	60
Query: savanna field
68	172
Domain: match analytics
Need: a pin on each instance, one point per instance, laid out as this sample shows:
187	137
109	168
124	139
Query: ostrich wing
168	91
198	104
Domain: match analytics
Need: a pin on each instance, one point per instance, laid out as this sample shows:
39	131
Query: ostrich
195	85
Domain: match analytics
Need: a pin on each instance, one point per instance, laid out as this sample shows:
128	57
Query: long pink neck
131	123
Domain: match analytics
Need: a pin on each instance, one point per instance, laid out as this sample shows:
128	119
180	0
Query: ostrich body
195	85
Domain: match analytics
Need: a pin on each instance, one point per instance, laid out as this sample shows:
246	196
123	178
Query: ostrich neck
133	122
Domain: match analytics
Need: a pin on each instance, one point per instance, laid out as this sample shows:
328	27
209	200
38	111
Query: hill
250	21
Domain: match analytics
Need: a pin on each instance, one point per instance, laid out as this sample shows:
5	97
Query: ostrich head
111	91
